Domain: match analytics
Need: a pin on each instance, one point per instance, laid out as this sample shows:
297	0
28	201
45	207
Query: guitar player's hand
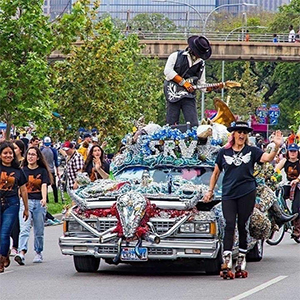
188	87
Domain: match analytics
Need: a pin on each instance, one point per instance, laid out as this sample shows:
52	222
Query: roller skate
241	266
226	266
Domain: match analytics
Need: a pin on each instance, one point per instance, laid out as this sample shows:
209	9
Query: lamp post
223	5
183	3
223	61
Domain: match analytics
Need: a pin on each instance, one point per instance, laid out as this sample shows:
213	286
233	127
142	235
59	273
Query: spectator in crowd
74	163
291	34
51	157
34	142
291	137
25	140
19	149
275	38
36	169
12	184
85	145
291	166
247	36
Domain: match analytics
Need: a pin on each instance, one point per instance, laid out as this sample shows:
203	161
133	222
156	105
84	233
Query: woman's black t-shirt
292	169
10	180
36	177
238	169
93	174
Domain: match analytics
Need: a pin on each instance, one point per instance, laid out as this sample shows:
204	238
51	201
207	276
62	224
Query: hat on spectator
293	147
47	141
86	135
67	145
239	125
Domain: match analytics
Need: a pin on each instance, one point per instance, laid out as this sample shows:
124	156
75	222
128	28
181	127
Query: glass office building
179	11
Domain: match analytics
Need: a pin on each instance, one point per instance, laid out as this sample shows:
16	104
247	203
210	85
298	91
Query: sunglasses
242	131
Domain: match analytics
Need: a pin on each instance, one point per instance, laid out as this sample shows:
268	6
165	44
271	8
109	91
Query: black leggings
242	209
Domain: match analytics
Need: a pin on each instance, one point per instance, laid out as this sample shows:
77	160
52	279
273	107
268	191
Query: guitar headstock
231	84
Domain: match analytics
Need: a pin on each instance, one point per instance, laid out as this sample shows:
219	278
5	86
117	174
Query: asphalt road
276	277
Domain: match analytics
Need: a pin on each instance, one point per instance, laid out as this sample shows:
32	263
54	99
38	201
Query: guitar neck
209	85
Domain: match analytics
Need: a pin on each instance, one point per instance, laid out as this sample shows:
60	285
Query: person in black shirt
39	177
291	166
237	159
95	164
12	182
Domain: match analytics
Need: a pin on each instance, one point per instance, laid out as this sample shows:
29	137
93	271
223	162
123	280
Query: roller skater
227	265
241	266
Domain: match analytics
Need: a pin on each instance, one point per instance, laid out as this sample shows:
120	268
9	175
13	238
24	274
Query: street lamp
223	5
223	61
183	3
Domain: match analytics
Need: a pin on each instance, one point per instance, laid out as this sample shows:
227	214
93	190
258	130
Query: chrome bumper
165	250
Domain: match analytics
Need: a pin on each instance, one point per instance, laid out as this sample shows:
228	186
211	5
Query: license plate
128	254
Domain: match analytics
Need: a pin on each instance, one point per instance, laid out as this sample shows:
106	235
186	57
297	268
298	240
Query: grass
57	208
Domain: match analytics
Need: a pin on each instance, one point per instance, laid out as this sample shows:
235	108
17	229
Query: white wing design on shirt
246	158
228	159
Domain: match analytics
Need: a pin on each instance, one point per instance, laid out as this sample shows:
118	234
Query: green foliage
152	23
288	15
27	38
106	83
245	100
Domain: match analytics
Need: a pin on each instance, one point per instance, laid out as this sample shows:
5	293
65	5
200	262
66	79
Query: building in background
185	13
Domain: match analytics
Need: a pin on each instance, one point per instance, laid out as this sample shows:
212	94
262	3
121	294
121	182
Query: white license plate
128	254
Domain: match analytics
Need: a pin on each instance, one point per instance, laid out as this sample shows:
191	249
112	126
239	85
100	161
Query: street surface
276	277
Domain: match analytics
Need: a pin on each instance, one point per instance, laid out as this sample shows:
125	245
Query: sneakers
50	222
38	258
13	252
20	259
57	222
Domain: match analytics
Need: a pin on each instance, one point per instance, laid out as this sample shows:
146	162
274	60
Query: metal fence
214	36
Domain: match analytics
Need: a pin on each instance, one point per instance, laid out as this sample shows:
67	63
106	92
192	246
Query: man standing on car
181	65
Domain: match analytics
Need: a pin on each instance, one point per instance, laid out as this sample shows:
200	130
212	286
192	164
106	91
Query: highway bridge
229	51
221	50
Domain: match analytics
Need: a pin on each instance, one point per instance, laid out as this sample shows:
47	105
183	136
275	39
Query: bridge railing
214	36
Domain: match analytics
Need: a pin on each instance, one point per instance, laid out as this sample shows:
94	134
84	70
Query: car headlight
74	226
202	227
187	227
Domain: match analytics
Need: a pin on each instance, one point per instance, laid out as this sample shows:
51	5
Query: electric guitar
174	92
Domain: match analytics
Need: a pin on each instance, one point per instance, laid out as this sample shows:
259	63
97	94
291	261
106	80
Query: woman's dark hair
21	146
15	163
90	156
41	162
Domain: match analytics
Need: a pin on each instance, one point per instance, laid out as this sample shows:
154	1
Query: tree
106	83
26	40
152	23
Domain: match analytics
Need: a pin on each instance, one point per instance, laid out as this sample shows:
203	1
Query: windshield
195	175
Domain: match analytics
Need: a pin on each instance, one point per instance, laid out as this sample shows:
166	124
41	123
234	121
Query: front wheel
276	236
87	264
213	266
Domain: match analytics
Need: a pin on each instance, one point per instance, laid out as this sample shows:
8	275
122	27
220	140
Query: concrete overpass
259	51
229	51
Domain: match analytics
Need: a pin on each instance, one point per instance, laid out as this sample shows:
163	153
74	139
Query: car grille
105	224
108	250
161	226
160	251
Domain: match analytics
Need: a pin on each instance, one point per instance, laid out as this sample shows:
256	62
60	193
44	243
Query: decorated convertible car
151	210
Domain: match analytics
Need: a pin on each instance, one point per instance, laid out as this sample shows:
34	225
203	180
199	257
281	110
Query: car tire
256	253
213	266
88	264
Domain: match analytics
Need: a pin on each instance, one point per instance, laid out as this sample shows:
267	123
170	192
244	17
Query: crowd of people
28	166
